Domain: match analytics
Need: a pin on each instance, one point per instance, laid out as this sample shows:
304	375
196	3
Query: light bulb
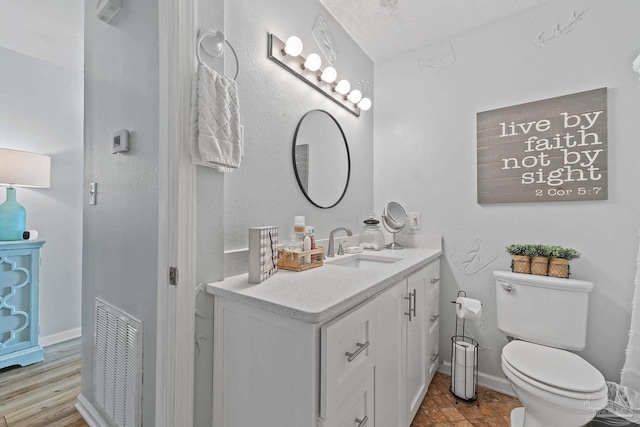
329	75
293	46
364	104
343	87
313	62
355	96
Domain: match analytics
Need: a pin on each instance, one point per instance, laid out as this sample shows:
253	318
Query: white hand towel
216	137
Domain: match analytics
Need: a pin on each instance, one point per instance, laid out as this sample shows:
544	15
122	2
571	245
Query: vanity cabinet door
389	381
347	347
357	410
433	316
416	336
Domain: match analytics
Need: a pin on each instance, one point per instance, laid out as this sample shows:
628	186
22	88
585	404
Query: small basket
521	264
539	266
294	261
559	267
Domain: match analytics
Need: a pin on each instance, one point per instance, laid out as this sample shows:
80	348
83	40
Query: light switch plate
120	141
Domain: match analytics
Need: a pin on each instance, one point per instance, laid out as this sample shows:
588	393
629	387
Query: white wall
120	252
264	190
425	157
41	64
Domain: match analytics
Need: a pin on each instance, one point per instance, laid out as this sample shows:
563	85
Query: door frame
177	214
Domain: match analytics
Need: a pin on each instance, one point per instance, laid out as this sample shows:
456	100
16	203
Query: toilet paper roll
463	366
468	308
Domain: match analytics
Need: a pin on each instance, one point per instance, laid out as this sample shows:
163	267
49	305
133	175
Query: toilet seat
551	369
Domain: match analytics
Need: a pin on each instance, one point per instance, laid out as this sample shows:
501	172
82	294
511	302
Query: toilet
546	318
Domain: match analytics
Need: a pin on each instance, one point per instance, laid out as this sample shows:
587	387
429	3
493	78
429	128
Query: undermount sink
364	261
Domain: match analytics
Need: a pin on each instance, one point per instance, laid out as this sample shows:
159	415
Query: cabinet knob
361	347
434	357
435	280
435	317
362	422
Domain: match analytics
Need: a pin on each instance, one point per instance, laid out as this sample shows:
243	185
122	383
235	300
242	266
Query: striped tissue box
263	253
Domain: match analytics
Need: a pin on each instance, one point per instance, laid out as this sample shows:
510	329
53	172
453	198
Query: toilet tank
545	310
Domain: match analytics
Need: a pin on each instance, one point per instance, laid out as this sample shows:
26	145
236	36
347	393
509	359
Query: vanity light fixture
312	63
293	46
364	104
329	75
308	69
343	87
354	96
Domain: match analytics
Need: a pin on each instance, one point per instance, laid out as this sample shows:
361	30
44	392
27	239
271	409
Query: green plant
531	250
556	251
517	249
569	254
542	251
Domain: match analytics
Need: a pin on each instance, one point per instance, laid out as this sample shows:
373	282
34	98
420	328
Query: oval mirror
321	159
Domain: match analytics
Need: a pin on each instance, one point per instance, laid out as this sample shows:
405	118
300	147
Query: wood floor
43	394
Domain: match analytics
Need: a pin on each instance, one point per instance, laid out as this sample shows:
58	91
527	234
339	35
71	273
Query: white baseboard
60	337
501	385
89	413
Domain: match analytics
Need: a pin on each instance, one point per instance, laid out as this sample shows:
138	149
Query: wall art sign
549	150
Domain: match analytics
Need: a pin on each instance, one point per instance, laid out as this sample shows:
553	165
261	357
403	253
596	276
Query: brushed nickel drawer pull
362	422
414	303
409	312
351	356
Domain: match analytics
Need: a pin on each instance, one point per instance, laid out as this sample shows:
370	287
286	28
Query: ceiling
385	28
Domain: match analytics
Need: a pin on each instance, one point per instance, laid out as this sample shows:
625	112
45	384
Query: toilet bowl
556	387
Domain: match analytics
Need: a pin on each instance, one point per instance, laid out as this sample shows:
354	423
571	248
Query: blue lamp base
13	217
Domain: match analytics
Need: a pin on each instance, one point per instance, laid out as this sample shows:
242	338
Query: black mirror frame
295	167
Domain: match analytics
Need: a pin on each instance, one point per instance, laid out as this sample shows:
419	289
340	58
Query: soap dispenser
371	237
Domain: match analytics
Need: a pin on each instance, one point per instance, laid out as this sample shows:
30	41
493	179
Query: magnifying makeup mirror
394	219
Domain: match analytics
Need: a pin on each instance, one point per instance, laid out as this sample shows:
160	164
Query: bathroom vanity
354	342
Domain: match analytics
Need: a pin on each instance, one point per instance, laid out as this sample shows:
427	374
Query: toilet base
521	418
517	417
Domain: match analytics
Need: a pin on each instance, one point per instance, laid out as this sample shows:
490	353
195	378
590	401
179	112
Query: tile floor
439	408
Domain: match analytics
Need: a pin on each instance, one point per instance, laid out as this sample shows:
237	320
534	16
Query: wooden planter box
539	265
521	264
559	267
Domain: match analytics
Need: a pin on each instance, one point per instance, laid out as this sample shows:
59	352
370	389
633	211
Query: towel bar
220	40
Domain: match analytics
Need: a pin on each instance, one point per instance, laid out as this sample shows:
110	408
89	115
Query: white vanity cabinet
422	326
367	366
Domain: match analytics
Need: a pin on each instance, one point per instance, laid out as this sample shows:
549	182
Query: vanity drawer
346	356
357	410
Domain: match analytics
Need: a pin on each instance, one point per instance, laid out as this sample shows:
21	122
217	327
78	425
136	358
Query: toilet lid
554	367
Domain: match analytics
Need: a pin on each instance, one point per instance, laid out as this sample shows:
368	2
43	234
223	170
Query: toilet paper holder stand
464	362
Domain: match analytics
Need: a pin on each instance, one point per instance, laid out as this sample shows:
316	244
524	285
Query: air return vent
117	365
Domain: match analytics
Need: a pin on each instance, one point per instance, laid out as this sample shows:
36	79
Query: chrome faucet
331	244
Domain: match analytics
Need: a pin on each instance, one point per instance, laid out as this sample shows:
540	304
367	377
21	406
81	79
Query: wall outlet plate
120	141
415	222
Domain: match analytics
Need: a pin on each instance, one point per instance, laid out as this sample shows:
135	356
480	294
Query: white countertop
318	294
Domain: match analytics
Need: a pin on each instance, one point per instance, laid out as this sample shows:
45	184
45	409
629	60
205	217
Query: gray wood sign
549	150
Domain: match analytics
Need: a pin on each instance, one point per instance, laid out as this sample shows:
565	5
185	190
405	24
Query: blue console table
19	292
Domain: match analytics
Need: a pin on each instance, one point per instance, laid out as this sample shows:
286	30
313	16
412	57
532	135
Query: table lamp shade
24	169
19	169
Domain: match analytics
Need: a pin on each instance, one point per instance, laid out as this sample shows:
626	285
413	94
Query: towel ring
220	39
